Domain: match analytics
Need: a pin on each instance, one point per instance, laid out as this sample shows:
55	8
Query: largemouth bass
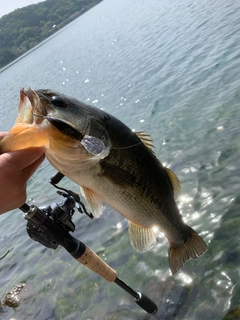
112	165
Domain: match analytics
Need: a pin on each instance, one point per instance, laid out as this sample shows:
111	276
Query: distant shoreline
27	28
38	45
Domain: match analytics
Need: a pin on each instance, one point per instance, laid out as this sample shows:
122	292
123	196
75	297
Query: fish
112	165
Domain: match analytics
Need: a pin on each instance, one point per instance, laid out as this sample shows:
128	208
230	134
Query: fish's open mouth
30	109
29	130
43	121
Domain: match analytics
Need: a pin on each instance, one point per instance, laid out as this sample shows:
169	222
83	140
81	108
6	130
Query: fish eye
58	101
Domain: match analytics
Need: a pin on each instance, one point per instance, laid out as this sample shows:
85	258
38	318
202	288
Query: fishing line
134	145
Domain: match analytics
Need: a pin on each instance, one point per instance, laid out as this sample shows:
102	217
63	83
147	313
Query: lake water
170	68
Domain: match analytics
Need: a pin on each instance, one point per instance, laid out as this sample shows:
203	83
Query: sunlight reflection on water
173	72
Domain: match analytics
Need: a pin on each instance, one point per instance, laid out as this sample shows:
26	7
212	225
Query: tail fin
193	247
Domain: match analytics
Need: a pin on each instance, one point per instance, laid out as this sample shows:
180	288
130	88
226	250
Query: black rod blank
143	301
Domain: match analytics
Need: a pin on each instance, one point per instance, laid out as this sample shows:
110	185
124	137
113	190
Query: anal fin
142	239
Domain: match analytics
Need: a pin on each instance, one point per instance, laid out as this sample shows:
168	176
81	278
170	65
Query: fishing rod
51	225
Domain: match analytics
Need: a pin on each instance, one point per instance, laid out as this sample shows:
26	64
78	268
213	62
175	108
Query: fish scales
150	180
112	165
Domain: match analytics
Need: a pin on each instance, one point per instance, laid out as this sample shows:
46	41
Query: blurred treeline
24	28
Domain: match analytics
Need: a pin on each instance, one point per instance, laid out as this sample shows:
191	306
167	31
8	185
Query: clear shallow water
169	68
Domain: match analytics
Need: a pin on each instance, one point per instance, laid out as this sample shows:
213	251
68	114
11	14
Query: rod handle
146	304
92	261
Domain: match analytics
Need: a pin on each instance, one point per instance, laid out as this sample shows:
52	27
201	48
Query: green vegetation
24	28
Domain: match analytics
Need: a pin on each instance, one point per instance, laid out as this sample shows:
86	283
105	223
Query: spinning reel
51	225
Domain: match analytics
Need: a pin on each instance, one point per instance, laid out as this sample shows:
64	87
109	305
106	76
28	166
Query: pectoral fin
142	239
93	201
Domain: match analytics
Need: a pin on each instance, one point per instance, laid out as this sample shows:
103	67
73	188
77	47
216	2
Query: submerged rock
173	301
170	298
11	298
205	311
233	314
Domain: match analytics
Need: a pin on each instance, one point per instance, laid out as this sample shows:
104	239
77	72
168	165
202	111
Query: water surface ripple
170	68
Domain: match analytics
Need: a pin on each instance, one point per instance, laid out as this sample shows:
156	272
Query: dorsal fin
174	181
146	139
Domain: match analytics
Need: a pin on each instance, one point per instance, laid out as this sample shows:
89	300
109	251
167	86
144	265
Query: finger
29	171
23	158
2	135
15	202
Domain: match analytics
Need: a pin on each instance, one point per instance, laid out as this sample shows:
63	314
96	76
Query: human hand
15	170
